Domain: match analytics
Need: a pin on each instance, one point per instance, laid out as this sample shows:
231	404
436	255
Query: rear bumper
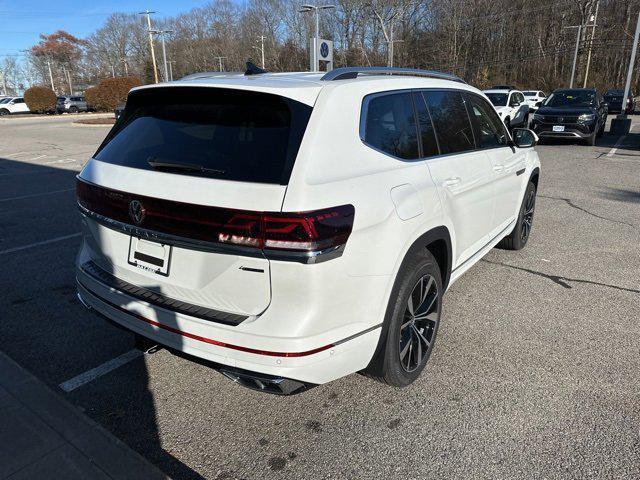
305	360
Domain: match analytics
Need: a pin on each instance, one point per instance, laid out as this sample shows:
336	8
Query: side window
542	95
19	100
488	127
514	100
450	120
427	133
390	125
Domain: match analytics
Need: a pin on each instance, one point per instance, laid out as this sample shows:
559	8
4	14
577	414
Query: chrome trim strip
502	233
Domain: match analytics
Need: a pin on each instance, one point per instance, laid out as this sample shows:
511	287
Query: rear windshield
219	133
498	99
529	94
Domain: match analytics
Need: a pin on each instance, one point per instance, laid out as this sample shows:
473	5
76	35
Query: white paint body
515	111
15	105
538	96
297	307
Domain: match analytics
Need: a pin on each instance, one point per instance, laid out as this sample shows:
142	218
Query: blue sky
23	21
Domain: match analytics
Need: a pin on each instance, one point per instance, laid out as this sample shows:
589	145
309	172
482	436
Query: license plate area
150	256
558	128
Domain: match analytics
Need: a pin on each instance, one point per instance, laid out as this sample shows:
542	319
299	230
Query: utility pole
162	33
593	34
153	53
126	67
171	62
219	61
575	54
315	62
50	75
262	48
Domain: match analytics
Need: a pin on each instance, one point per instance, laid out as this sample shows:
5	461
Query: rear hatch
169	196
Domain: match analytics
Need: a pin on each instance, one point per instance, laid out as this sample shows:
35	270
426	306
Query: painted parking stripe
100	370
36	195
37	244
613	151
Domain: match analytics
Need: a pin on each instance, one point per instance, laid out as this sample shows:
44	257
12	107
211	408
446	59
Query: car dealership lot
535	372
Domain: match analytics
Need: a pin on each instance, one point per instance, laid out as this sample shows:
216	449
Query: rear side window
390	125
489	129
450	120
221	133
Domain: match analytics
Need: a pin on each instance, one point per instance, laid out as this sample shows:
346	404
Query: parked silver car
71	105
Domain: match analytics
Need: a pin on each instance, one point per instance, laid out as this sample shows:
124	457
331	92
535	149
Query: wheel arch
438	242
535	176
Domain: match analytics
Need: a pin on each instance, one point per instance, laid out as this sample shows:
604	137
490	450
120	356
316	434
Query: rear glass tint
232	134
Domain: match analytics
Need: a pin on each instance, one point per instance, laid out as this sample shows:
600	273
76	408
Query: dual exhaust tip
264	383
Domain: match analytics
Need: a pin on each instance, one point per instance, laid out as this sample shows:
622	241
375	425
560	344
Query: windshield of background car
529	94
614	93
498	99
571	98
239	135
5	100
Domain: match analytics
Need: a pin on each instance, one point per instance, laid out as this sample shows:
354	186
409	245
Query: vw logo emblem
136	212
324	49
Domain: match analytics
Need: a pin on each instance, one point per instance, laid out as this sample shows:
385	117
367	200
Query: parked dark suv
571	113
614	99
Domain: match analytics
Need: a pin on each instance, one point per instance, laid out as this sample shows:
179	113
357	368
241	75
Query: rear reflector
307	233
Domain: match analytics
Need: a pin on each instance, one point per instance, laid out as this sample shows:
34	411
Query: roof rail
193	76
345	73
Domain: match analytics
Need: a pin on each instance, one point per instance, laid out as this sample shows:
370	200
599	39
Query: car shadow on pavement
47	330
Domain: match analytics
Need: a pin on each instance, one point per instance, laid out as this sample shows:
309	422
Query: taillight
313	231
298	236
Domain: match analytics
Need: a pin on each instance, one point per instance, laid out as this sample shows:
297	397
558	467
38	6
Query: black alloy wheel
420	323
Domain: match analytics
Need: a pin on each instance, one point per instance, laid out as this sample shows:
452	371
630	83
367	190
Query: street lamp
315	64
162	33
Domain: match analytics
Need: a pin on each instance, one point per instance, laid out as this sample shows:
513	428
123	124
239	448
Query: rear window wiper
185	167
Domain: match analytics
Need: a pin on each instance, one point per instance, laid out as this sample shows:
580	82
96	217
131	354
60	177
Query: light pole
315	62
153	53
593	34
575	54
621	124
171	62
261	38
220	61
162	33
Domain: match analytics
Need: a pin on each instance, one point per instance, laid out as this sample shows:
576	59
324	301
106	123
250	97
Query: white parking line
36	195
100	370
37	244
613	151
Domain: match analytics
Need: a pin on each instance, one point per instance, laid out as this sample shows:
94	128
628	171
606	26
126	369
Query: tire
518	238
525	121
4	111
73	109
408	338
601	129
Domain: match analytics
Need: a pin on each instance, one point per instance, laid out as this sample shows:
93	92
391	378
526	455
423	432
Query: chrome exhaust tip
261	382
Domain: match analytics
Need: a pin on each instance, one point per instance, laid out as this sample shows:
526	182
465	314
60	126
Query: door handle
498	167
451	181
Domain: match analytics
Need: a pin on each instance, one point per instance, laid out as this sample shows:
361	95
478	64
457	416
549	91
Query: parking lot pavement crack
564	282
569	202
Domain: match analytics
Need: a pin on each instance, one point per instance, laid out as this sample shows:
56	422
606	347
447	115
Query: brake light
301	232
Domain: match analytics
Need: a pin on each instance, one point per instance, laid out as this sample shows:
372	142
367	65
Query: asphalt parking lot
536	372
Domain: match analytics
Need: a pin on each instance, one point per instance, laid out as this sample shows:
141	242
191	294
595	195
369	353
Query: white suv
532	97
510	105
13	105
290	229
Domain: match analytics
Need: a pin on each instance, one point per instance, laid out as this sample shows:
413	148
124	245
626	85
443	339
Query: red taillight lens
308	231
303	232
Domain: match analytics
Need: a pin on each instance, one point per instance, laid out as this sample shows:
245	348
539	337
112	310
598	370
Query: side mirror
524	138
